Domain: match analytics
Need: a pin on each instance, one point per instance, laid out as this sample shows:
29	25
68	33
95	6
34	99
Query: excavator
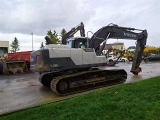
69	68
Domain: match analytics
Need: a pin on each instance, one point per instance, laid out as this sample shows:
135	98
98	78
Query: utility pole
117	44
32	40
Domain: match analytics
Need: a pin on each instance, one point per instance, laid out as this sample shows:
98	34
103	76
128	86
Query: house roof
132	47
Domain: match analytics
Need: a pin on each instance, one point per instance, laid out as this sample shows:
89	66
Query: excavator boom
117	32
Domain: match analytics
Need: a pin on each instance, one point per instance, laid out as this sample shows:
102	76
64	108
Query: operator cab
77	42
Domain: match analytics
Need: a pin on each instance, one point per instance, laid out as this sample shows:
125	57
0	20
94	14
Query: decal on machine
129	35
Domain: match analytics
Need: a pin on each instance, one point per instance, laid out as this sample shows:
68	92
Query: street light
32	40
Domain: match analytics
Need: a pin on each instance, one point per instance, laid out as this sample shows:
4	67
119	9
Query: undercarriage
65	84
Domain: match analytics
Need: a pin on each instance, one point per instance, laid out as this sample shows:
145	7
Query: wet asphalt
23	91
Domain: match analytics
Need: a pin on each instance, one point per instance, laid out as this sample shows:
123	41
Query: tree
63	32
42	46
53	36
15	45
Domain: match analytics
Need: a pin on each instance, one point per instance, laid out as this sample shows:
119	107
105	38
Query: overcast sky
19	18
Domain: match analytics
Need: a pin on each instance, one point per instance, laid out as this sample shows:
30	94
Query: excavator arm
70	34
99	38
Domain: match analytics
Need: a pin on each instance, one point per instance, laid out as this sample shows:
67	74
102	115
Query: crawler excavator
69	69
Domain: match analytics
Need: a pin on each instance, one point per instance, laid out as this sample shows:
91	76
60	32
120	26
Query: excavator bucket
14	67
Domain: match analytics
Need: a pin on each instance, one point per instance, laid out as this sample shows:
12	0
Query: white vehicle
111	58
122	59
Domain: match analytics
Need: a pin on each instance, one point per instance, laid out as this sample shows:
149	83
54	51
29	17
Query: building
117	46
114	46
4	48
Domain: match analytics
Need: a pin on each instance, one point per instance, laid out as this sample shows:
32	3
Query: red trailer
20	56
25	55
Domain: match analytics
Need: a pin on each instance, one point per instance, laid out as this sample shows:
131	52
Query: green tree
63	32
53	36
42	46
15	45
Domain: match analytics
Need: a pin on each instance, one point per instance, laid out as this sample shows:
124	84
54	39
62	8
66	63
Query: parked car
111	58
122	59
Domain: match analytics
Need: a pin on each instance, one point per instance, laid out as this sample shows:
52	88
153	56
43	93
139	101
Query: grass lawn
132	101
